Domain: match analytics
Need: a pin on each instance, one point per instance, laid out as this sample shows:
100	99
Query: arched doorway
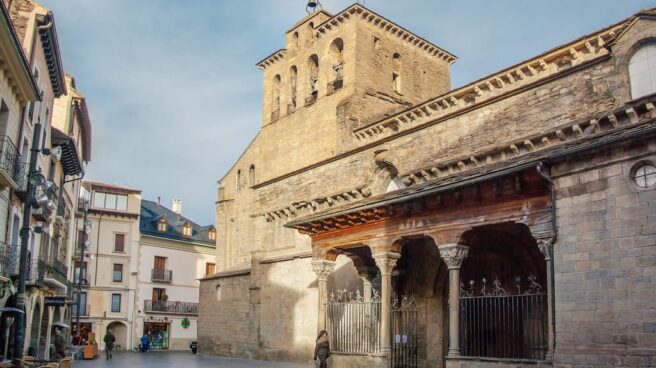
33	347
120	331
503	294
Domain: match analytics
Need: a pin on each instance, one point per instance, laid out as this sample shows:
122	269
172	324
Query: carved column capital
323	268
386	262
545	245
453	254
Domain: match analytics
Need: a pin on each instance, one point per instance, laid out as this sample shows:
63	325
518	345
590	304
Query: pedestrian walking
322	349
60	345
145	343
109	340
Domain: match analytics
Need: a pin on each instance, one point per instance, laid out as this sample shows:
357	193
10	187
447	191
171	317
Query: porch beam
453	255
385	262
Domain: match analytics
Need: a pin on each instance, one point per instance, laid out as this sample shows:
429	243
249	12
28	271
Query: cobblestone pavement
177	359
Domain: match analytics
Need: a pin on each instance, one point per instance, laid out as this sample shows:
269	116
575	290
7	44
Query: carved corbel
323	268
386	262
545	245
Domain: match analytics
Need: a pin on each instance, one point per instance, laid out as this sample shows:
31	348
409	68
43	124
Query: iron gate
404	315
353	324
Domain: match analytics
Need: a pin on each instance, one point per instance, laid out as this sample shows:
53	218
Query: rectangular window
80	239
119	242
210	268
117	276
110	201
80	271
160	263
116	303
158	294
122	203
99	200
82	309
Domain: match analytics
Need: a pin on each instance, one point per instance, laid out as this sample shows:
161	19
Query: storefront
158	334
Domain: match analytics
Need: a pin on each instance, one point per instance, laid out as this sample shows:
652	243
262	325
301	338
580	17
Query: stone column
546	248
453	255
323	269
385	263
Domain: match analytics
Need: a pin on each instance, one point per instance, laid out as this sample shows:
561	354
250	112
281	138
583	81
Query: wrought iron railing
353	323
499	324
161	275
9	156
20	176
404	316
176	307
56	270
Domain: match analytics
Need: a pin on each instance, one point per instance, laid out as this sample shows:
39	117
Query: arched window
251	175
295	39
642	71
336	59
275	94
396	74
313	73
293	78
238	180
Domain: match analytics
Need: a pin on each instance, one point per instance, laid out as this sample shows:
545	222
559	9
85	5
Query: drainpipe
540	168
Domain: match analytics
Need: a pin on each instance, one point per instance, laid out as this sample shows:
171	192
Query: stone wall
605	260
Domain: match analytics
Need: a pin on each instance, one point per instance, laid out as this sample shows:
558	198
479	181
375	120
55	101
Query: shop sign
55	301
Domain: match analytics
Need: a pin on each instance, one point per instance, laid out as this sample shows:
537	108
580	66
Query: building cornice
271	59
15	65
359	11
50	43
197	247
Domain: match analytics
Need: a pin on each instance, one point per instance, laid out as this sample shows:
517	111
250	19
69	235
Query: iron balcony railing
56	270
20	176
9	156
5	259
161	275
161	306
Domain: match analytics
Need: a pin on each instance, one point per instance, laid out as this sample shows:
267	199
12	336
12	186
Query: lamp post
19	336
82	244
9	314
34	179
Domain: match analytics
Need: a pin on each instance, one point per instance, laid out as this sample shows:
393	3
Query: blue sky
175	97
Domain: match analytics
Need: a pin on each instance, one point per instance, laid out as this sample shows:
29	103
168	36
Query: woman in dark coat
322	349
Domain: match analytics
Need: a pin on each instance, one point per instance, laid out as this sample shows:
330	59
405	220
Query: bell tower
339	72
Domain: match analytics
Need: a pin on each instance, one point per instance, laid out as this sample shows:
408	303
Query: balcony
161	275
5	261
167	307
35	272
9	159
55	274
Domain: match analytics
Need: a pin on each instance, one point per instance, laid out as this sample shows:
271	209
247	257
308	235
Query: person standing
60	345
109	340
322	349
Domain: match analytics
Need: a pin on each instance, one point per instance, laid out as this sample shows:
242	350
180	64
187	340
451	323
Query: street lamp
35	180
9	314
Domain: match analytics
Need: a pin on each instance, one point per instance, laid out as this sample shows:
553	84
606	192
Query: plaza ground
177	359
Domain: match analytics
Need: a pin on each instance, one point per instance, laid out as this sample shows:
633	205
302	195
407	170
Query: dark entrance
405	337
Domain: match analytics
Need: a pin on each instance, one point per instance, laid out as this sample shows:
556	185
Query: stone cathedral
509	222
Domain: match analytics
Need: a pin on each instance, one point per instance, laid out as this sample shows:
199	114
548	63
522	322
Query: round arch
120	331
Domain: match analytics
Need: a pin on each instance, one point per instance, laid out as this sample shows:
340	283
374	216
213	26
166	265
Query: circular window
645	175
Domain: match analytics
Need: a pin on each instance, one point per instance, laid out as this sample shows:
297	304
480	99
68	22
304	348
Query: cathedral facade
506	222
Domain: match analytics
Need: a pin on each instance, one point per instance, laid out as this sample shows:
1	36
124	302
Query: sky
175	97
